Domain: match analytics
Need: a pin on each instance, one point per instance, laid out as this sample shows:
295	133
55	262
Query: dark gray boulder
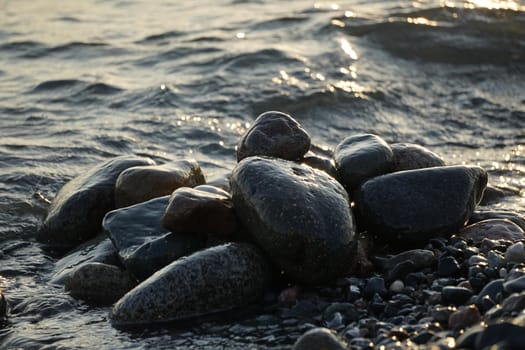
416	205
274	134
361	157
408	156
142	183
298	215
76	213
201	210
99	284
143	244
212	280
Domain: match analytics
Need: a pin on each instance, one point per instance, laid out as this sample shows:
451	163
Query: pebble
516	285
375	285
464	317
397	286
317	339
455	295
447	266
515	254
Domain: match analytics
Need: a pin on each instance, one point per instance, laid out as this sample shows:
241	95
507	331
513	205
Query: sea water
84	81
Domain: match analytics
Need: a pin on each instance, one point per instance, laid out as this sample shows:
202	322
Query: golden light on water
347	48
422	21
486	4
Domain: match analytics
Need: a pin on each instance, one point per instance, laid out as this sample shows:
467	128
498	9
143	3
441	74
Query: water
81	82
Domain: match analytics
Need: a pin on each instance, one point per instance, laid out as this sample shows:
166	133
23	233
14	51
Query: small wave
177	54
278	23
57	84
71	50
163	97
265	57
74	91
153	39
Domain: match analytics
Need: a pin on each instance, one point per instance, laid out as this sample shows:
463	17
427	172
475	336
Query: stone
99	284
492	195
515	254
318	339
361	157
99	249
492	289
375	285
451	295
397	286
506	334
274	134
215	279
514	303
298	215
417	205
447	266
199	211
515	285
3	308
321	163
493	229
398	266
142	183
408	156
495	214
142	243
76	213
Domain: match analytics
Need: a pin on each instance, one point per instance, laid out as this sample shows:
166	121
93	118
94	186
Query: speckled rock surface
416	205
201	211
76	213
139	228
99	249
274	134
99	284
408	156
494	229
142	183
361	157
212	280
300	217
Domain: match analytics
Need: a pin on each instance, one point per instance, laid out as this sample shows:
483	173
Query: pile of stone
384	223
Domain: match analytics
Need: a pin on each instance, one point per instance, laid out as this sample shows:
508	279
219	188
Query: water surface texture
83	81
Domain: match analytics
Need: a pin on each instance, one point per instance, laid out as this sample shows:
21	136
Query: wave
448	35
155	38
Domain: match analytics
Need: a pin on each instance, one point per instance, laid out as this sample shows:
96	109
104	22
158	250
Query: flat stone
142	183
361	157
408	156
514	303
515	285
464	317
99	249
455	295
416	205
76	213
274	134
491	290
99	284
211	280
138	228
496	214
298	215
398	266
493	229
205	210
317	339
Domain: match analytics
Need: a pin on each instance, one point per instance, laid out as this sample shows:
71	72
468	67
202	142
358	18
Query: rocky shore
379	246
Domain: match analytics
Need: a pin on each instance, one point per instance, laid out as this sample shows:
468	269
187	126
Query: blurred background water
83	81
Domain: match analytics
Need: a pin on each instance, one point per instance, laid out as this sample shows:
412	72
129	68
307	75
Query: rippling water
84	81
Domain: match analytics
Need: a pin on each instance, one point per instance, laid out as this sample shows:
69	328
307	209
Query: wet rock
515	253
300	216
318	339
212	280
514	304
201	211
99	249
493	229
361	157
398	266
143	244
397	286
321	163
416	205
492	289
142	183
455	295
492	195
408	156
491	214
504	334
99	284
76	213
447	266
515	285
274	134
375	285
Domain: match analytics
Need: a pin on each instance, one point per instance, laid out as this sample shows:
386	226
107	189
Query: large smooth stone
416	205
516	218
139	228
99	284
76	213
274	134
207	210
408	156
142	183
99	249
300	216
212	280
361	157
494	229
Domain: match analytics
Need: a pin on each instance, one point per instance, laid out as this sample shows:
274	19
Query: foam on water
86	81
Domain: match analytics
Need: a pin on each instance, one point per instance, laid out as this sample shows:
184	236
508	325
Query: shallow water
81	82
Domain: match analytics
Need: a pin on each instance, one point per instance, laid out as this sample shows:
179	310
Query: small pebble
515	253
318	338
397	286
